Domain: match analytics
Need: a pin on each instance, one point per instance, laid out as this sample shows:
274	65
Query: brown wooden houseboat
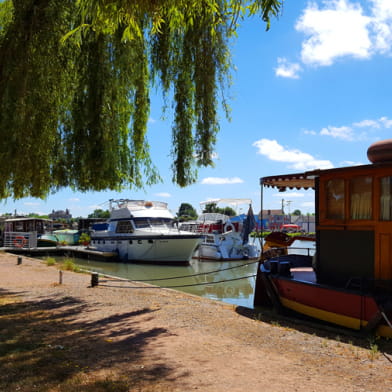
348	281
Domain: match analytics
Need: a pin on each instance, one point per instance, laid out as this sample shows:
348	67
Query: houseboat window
335	199
386	199
124	227
361	197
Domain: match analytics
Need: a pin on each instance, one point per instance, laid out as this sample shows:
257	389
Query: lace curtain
361	198
385	199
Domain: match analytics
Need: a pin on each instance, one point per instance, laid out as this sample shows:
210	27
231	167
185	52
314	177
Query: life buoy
228	227
20	241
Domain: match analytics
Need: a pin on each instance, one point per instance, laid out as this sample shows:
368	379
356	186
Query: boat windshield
141	223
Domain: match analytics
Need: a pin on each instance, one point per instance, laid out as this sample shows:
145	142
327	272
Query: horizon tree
186	212
212	207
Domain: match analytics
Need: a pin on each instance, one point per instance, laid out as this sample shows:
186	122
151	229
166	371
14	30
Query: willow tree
75	77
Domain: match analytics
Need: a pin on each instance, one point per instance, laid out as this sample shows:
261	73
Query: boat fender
228	227
20	241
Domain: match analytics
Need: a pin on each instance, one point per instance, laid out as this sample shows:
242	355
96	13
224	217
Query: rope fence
111	278
178	286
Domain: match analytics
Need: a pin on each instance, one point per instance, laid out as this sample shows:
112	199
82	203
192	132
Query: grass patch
50	261
69	265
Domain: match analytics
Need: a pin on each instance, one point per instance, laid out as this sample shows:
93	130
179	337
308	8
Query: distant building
60	214
273	220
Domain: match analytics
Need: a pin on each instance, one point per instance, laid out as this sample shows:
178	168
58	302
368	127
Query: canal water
232	282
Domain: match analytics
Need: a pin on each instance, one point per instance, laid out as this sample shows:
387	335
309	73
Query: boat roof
126	208
27	219
292	181
211	217
306	180
137	204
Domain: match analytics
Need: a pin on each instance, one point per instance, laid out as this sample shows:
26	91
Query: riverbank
122	336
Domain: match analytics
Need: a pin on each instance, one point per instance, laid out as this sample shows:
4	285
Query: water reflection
231	282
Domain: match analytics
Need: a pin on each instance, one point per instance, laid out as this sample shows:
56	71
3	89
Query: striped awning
291	181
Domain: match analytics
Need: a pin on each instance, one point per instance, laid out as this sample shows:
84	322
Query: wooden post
60	277
94	279
19	260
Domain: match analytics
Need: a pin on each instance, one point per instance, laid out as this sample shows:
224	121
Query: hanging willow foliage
74	88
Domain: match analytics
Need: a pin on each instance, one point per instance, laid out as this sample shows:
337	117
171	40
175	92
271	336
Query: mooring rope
178	286
174	277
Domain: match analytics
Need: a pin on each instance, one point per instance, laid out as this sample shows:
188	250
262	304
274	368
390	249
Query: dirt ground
143	338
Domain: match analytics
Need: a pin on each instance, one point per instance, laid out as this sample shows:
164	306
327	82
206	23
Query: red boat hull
338	306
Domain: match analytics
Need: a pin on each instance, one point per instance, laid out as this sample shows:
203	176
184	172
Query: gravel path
155	339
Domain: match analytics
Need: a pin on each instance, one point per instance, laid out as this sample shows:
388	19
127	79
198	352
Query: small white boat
144	231
224	238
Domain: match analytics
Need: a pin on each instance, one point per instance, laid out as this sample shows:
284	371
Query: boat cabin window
161	221
335	198
361	197
141	223
386	199
124	227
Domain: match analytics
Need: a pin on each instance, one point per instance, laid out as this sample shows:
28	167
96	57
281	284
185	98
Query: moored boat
224	238
26	232
348	281
144	231
67	236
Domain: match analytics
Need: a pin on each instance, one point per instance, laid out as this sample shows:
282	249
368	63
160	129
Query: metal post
60	277
94	279
19	260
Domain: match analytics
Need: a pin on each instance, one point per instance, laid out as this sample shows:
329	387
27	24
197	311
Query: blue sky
313	92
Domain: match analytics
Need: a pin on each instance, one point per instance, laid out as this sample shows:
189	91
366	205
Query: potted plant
84	239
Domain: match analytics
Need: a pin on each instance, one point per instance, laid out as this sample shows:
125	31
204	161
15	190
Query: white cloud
350	133
339	29
386	122
221	181
382	122
74	199
367	124
295	158
382	25
344	133
286	69
309	132
31	203
163	194
336	29
351	163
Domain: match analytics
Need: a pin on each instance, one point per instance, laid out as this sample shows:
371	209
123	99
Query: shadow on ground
314	327
44	346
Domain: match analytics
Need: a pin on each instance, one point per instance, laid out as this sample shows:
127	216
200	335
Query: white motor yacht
144	231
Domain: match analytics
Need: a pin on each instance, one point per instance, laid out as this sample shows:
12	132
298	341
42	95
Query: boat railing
17	239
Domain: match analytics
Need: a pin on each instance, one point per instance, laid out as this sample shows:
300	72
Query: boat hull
347	308
212	253
225	247
174	249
